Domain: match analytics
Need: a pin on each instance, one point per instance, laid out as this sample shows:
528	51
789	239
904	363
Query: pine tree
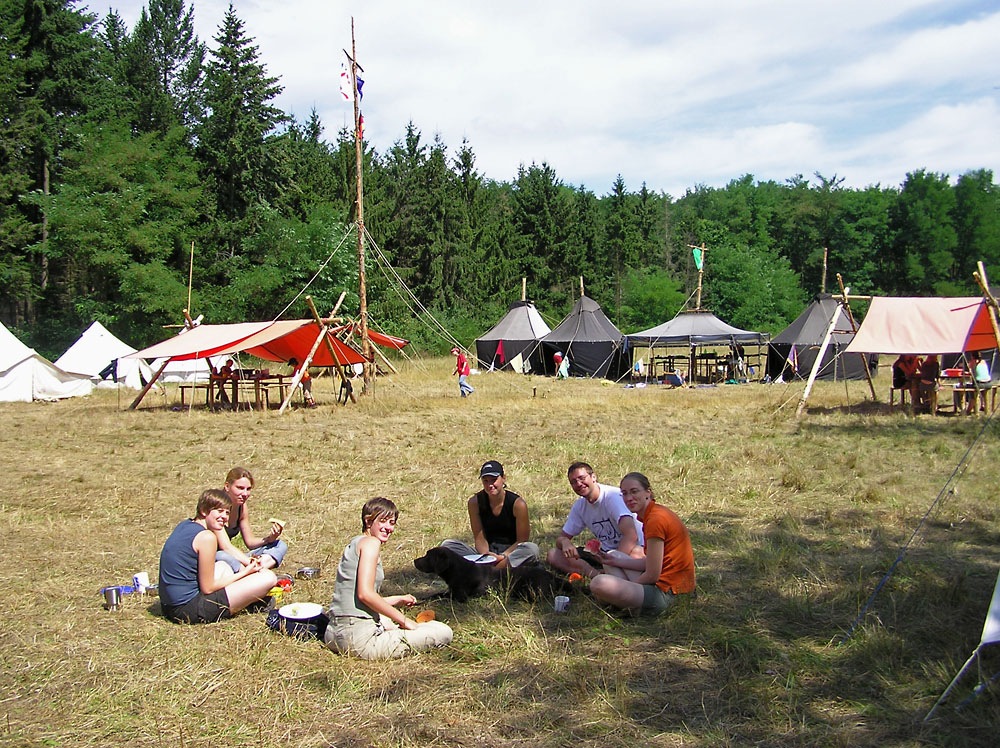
235	139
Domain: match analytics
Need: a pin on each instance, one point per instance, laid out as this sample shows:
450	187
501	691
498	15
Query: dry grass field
793	525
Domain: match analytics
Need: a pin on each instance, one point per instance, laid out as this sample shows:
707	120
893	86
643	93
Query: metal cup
112	598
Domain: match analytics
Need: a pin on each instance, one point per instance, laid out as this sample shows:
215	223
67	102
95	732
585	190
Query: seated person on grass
600	509
194	588
668	567
499	521
270	550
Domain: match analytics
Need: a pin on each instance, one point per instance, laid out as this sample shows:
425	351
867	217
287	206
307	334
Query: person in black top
499	521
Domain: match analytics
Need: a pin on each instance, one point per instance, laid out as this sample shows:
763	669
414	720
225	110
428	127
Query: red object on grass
593	545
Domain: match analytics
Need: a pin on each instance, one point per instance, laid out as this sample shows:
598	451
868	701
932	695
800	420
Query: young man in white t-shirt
602	510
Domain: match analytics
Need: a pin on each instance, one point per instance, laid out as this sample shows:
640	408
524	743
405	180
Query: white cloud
671	93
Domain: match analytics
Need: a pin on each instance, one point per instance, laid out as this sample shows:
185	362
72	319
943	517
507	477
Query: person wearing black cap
499	521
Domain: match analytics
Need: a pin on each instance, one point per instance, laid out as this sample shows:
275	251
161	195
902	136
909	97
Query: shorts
201	608
656	602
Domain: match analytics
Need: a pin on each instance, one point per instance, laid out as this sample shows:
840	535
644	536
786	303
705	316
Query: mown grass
793	522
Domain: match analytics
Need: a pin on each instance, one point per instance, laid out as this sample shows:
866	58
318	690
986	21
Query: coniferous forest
121	148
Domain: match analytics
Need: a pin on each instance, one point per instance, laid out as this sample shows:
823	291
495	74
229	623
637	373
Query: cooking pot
301	620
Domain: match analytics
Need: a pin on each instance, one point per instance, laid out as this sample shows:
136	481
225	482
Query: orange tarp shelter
925	325
270	341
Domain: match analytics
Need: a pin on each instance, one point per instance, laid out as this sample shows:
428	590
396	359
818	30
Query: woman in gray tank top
362	621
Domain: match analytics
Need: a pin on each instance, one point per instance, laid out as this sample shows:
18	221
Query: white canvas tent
26	376
991	635
96	351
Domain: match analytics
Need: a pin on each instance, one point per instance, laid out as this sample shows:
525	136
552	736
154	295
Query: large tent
518	334
792	353
26	376
591	342
98	354
694	329
925	325
270	341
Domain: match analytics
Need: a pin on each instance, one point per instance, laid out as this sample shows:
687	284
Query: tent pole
951	685
333	352
816	366
991	301
305	365
149	386
524	289
854	328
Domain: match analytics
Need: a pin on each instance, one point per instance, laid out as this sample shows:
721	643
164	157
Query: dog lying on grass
466	579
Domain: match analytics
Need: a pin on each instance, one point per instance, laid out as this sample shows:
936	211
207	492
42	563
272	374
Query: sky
671	93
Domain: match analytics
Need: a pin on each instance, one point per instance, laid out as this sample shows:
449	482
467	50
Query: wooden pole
701	272
822	281
190	274
854	328
338	365
302	368
581	286
816	366
149	386
366	344
991	301
524	289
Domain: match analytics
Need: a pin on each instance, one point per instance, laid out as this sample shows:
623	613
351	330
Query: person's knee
556	558
603	587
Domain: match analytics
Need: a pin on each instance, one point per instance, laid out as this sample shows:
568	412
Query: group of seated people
920	377
640	559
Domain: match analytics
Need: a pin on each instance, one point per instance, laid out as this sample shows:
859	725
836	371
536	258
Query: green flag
698	261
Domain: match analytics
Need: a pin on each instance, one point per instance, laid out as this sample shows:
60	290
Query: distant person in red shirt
463	371
667	569
305	382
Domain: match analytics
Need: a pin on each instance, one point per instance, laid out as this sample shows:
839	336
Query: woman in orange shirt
668	568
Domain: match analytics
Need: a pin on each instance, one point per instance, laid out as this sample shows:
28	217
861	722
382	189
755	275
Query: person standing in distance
463	371
602	510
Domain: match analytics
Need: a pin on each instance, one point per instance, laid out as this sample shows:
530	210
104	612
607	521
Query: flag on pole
346	89
361	83
698	259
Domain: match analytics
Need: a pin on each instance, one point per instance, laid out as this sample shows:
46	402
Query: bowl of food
301	620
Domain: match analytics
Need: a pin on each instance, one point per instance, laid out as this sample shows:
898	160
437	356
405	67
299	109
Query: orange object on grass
425	615
574	577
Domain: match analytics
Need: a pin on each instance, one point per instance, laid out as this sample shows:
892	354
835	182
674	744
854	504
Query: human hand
408	625
569	550
408	600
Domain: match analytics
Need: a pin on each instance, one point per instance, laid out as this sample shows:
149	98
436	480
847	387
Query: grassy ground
793	524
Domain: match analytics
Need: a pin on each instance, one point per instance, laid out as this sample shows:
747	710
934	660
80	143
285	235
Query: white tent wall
26	376
95	350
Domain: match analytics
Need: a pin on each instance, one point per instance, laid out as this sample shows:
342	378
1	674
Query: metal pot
308	572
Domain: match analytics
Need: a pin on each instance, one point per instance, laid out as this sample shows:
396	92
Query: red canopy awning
270	341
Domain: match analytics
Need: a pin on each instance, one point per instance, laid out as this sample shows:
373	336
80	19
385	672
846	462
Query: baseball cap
491	469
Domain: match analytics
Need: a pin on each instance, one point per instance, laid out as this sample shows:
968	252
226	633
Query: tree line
121	150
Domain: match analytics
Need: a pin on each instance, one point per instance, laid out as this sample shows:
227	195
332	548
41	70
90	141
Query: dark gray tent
695	328
519	333
805	336
692	329
594	346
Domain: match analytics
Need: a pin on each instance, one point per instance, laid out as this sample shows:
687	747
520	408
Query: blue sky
670	93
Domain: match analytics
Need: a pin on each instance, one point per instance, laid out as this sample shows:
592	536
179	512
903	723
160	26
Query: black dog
466	579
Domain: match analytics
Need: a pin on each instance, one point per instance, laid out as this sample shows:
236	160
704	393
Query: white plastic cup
140	581
561	603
